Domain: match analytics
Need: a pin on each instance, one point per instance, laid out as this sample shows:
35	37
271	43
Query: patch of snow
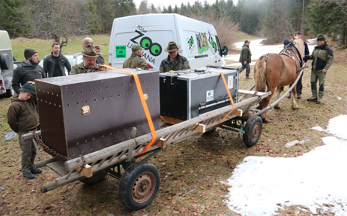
315	180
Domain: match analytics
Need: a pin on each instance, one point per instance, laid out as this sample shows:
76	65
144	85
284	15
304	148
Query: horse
277	70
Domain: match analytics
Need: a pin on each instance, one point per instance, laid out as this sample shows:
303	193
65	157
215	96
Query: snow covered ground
258	49
261	185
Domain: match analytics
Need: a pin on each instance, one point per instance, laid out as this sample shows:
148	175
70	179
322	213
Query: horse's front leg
278	93
294	101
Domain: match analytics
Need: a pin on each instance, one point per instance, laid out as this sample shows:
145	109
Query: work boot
36	171
320	96
29	175
314	96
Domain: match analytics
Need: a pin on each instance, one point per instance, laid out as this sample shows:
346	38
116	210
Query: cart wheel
252	129
97	176
138	185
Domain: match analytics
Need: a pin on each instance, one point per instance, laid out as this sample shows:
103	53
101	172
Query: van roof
5	40
162	15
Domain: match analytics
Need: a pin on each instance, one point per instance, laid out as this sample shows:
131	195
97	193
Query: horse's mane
299	44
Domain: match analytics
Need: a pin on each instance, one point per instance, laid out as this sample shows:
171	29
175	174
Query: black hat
320	38
247	41
28	52
27	87
298	33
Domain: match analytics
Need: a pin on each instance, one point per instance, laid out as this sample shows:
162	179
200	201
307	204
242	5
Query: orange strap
144	105
226	87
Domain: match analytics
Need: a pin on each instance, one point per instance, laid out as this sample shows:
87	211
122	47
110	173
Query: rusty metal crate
83	113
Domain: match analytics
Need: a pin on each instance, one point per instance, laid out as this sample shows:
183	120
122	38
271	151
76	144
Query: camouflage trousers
28	153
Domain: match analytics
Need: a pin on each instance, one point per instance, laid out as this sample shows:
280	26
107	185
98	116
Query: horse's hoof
277	107
266	121
294	108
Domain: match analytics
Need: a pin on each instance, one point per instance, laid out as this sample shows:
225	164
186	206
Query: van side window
218	46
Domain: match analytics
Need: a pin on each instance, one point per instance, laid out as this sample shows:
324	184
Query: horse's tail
259	74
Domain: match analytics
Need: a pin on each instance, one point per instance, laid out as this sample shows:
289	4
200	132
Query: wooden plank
170	120
86	171
200	128
238	113
161	143
58	167
251	92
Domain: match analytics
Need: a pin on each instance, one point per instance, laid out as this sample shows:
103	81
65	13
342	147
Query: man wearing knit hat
135	60
323	58
27	70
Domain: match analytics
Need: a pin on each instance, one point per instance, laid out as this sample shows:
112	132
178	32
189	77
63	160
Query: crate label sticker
230	82
209	95
85	110
121	51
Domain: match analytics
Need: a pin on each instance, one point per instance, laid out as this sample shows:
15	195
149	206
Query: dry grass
191	172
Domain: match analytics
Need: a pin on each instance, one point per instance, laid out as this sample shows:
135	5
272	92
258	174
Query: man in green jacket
135	60
323	58
54	64
174	61
89	64
245	58
28	70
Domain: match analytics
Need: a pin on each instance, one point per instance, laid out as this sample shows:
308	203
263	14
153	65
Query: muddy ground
191	172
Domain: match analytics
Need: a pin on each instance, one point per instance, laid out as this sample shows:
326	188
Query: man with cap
323	58
285	42
86	41
245	58
54	64
135	60
22	117
27	70
89	64
174	61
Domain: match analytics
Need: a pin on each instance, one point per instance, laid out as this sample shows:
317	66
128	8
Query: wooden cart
140	180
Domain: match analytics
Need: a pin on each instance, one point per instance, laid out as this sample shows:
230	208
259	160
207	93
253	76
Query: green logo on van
154	48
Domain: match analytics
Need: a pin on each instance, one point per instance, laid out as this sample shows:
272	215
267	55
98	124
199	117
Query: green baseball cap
136	47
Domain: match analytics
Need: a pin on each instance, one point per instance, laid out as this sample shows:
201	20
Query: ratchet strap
231	99
144	105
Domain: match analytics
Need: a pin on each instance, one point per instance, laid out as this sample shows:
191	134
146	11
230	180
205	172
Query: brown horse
278	70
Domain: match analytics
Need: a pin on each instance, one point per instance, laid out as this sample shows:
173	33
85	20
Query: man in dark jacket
28	70
174	61
323	58
135	60
53	64
245	58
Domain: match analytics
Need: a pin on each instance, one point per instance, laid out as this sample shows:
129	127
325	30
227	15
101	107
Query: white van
198	40
6	64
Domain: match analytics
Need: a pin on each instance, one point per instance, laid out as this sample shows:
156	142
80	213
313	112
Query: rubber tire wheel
133	180
252	130
97	177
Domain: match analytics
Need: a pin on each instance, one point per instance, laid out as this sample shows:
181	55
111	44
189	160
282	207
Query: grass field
43	47
191	171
